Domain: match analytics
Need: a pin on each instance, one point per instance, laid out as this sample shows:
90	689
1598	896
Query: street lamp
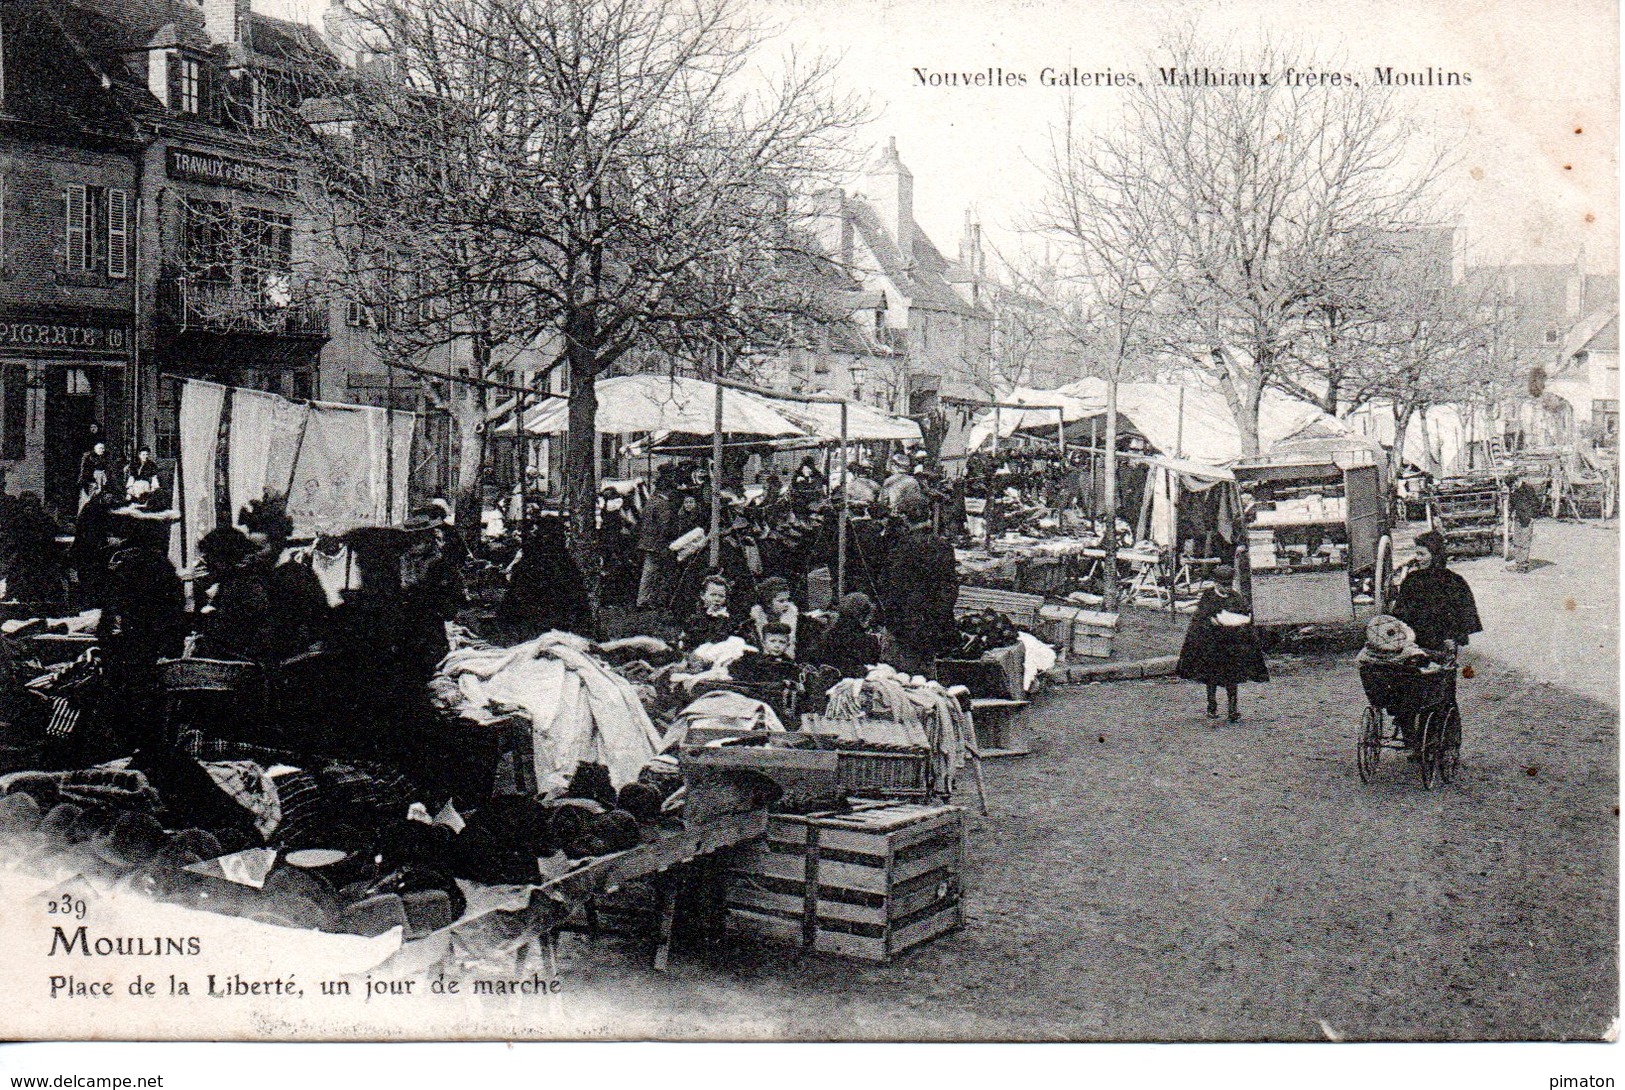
857	373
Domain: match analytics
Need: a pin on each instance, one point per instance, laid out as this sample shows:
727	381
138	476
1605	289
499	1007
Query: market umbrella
654	403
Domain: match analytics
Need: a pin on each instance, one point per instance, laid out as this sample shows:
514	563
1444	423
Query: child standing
1221	649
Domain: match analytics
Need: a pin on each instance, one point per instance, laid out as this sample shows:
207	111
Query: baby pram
1411	706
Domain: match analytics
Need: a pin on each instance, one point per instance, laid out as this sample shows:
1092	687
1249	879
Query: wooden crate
1078	632
999	673
1021	609
869	885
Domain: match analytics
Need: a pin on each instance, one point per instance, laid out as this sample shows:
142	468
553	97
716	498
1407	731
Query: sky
1535	134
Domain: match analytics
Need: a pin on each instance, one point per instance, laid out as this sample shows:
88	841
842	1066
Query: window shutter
118	233
78	243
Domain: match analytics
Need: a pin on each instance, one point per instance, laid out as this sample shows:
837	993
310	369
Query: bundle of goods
579	709
328	847
916	703
983	631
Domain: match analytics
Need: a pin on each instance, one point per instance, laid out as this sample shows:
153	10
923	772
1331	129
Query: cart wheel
1384	573
1368	754
1450	746
1428	729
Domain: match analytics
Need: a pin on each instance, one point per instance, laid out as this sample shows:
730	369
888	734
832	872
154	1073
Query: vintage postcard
790	520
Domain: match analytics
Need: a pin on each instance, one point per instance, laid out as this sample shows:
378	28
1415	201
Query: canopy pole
1060	432
716	463
389	448
1179	427
840	524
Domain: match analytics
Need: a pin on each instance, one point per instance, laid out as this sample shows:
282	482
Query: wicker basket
208	675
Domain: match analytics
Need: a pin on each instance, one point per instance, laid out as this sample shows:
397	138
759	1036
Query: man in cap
1524	505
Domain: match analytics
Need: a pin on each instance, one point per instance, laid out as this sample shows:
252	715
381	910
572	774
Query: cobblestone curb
1079	673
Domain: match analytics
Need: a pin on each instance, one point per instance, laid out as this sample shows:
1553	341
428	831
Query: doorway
75	399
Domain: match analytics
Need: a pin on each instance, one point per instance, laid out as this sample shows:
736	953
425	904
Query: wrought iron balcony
273	308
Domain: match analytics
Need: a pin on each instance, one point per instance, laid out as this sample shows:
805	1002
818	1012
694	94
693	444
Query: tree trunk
1109	494
1402	423
581	459
1243	394
471	408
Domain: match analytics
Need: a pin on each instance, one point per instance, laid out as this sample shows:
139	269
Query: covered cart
1318	547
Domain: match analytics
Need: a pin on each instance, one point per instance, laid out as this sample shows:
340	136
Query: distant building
1564	326
918	338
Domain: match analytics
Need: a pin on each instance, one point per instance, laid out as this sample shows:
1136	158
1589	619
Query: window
355	313
259	114
190	99
97	228
1551	334
118	234
206	242
77	381
1605	422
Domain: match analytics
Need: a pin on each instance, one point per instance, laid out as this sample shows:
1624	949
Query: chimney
890	188
970	245
226	21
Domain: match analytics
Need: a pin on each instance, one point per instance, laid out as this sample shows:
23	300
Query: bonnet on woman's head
856	606
1433	542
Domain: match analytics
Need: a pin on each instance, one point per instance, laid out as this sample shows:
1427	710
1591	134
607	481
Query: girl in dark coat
1218	654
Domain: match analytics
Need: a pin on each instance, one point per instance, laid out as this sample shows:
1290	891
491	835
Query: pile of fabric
579	709
914	702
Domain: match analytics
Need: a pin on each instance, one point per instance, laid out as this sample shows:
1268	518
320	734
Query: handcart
1425	696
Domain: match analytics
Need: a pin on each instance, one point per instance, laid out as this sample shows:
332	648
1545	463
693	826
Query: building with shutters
150	226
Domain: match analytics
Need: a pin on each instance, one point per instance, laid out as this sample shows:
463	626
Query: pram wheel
1368	754
1449	746
1433	728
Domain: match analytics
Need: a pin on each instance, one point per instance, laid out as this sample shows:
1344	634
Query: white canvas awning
662	403
864	423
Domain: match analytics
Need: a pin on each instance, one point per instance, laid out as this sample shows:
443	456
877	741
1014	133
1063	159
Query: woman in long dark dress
1439	606
545	589
1222	655
1435	601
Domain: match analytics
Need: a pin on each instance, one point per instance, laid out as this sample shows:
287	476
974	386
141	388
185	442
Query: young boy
772	664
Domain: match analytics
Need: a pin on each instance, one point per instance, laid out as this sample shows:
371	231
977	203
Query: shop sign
80	336
201	166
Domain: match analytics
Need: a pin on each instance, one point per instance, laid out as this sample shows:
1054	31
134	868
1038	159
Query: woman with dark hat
850	644
1435	601
1221	649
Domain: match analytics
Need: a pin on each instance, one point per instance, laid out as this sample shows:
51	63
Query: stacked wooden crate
1469	512
1077	632
870	884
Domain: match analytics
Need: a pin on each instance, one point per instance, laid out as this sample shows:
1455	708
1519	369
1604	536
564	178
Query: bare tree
1255	204
1102	289
607	172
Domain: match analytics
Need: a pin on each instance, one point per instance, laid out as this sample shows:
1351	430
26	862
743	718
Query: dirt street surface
1144	875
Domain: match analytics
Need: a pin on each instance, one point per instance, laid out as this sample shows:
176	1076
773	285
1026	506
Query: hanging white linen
249	450
201	406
